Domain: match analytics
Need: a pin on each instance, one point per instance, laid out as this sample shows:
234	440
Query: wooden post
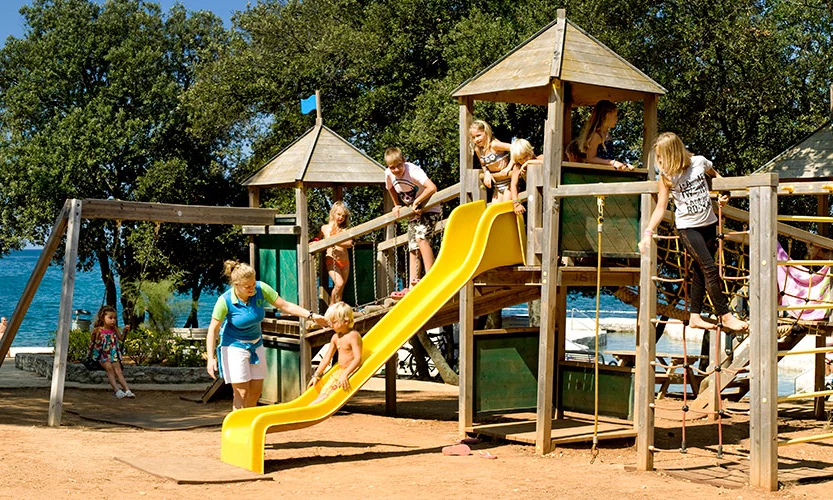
305	286
468	177
254	202
466	397
319	120
763	349
646	330
32	285
553	133
560	347
384	282
818	385
645	345
59	367
649	132
466	164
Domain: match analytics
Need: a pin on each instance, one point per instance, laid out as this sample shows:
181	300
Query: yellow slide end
477	238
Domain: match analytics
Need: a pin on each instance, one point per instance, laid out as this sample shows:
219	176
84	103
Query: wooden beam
649	132
59	366
745	182
179	214
440	197
605	189
646	346
305	287
763	358
257	230
45	258
466	360
553	132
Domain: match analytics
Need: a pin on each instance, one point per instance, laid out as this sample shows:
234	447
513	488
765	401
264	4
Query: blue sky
11	22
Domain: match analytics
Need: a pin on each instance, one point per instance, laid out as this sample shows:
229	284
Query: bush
149	347
79	344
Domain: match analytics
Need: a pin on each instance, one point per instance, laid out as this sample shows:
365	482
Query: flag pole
318	119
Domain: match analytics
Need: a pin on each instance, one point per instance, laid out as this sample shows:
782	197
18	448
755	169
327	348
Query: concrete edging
42	364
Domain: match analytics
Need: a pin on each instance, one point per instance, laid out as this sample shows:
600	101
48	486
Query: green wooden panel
505	372
578	236
362	271
288	265
271	391
615	391
278	264
267	266
290	381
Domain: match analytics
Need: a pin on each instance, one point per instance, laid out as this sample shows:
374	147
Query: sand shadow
277	465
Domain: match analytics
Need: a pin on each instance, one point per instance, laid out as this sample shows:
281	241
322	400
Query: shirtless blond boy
348	343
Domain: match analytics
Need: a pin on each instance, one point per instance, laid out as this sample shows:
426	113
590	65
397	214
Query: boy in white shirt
410	186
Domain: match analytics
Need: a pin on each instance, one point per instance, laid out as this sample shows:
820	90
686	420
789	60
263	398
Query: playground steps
735	388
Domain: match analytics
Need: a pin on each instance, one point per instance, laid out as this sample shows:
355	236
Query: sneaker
129	394
120	394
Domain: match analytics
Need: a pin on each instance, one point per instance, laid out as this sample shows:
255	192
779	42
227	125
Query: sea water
41	320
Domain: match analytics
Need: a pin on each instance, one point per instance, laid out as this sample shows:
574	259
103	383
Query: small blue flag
308	104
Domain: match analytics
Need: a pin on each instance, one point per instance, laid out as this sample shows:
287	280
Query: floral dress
106	347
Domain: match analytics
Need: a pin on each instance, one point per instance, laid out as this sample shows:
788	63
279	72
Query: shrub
147	347
79	344
150	347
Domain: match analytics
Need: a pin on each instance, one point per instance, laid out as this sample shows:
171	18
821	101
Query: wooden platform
735	475
573	428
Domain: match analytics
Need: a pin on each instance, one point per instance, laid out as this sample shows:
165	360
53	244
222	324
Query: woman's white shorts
237	368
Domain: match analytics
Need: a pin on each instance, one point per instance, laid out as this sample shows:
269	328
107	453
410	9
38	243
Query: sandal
414	281
457	450
399	293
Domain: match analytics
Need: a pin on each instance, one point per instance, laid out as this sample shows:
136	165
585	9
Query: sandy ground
359	453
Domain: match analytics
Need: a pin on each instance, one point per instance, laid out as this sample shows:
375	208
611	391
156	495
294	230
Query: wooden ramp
573	428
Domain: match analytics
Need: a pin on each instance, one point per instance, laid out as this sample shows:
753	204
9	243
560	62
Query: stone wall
42	365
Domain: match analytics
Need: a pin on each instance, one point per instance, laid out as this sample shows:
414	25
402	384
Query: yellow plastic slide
476	239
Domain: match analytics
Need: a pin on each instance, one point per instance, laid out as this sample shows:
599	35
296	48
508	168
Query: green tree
90	107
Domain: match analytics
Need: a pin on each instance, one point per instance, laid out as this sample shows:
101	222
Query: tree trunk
420	358
446	372
193	320
110	296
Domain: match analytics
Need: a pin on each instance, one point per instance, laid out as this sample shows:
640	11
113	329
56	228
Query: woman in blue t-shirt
237	316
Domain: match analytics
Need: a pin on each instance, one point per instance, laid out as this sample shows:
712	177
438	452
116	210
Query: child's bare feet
697	321
730	322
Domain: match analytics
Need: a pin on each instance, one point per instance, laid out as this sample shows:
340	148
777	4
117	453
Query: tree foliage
90	107
121	101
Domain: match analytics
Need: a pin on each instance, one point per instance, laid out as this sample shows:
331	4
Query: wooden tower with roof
560	67
320	158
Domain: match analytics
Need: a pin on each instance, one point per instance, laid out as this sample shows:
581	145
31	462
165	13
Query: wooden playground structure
560	67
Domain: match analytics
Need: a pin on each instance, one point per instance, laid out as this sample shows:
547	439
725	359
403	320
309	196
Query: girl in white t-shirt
683	176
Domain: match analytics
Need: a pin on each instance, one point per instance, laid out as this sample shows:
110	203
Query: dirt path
359	453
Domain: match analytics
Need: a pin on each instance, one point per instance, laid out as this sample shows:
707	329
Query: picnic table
670	371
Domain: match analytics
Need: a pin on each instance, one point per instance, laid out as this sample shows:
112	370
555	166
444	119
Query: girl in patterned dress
104	344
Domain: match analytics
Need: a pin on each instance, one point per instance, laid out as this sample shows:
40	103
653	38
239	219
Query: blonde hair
594	123
486	129
394	154
237	271
675	157
521	149
339	205
340	311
